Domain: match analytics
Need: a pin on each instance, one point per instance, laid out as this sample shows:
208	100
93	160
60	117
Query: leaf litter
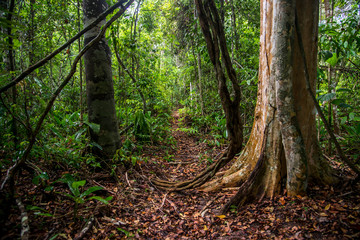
139	210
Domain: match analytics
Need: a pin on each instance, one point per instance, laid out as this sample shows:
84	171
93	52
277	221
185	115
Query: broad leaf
343	90
94	126
100	199
327	97
91	190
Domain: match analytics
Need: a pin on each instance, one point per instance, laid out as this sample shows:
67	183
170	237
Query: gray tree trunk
99	84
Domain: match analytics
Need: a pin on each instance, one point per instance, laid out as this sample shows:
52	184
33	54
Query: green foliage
339	45
141	127
78	196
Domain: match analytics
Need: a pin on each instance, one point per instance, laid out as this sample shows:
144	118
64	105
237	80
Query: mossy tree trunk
99	84
283	144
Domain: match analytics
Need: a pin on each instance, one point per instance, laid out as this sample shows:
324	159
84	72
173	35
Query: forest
179	119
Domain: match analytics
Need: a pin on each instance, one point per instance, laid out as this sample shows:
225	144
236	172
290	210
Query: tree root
200	179
246	192
25	229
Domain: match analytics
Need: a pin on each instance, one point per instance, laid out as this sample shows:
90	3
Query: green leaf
352	116
33	208
100	199
344	105
326	97
337	101
43	214
78	184
49	188
55	236
333	60
90	190
327	54
94	144
343	90
70	196
16	43
94	126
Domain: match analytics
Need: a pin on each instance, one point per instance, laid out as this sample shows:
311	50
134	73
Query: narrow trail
139	210
191	154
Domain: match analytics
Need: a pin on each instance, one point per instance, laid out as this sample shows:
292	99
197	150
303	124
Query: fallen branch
127	180
25	229
318	108
43	61
88	225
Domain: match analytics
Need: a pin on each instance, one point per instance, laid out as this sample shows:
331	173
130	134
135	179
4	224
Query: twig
132	78
163	201
127	180
126	129
204	209
179	162
318	108
173	205
54	53
105	188
345	194
88	225
25	229
28	130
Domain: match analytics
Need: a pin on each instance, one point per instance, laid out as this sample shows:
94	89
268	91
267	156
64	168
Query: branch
54	53
318	108
11	171
132	78
356	66
28	130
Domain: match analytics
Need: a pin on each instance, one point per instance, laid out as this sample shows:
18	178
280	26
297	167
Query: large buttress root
200	179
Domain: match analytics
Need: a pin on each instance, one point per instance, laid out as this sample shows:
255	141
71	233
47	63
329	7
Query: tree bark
99	83
283	140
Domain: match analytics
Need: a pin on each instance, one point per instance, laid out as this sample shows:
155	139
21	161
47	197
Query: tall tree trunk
81	66
283	140
99	84
200	83
11	67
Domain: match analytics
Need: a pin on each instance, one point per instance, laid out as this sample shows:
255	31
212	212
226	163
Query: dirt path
141	211
153	214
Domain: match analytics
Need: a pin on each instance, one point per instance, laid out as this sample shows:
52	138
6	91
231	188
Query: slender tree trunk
99	84
198	58
213	31
283	140
11	67
200	83
81	66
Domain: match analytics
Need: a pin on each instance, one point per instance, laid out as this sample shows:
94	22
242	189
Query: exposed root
200	179
246	192
25	229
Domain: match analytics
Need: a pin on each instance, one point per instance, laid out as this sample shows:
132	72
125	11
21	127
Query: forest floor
139	210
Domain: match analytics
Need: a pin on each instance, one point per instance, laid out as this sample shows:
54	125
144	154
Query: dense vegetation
160	64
